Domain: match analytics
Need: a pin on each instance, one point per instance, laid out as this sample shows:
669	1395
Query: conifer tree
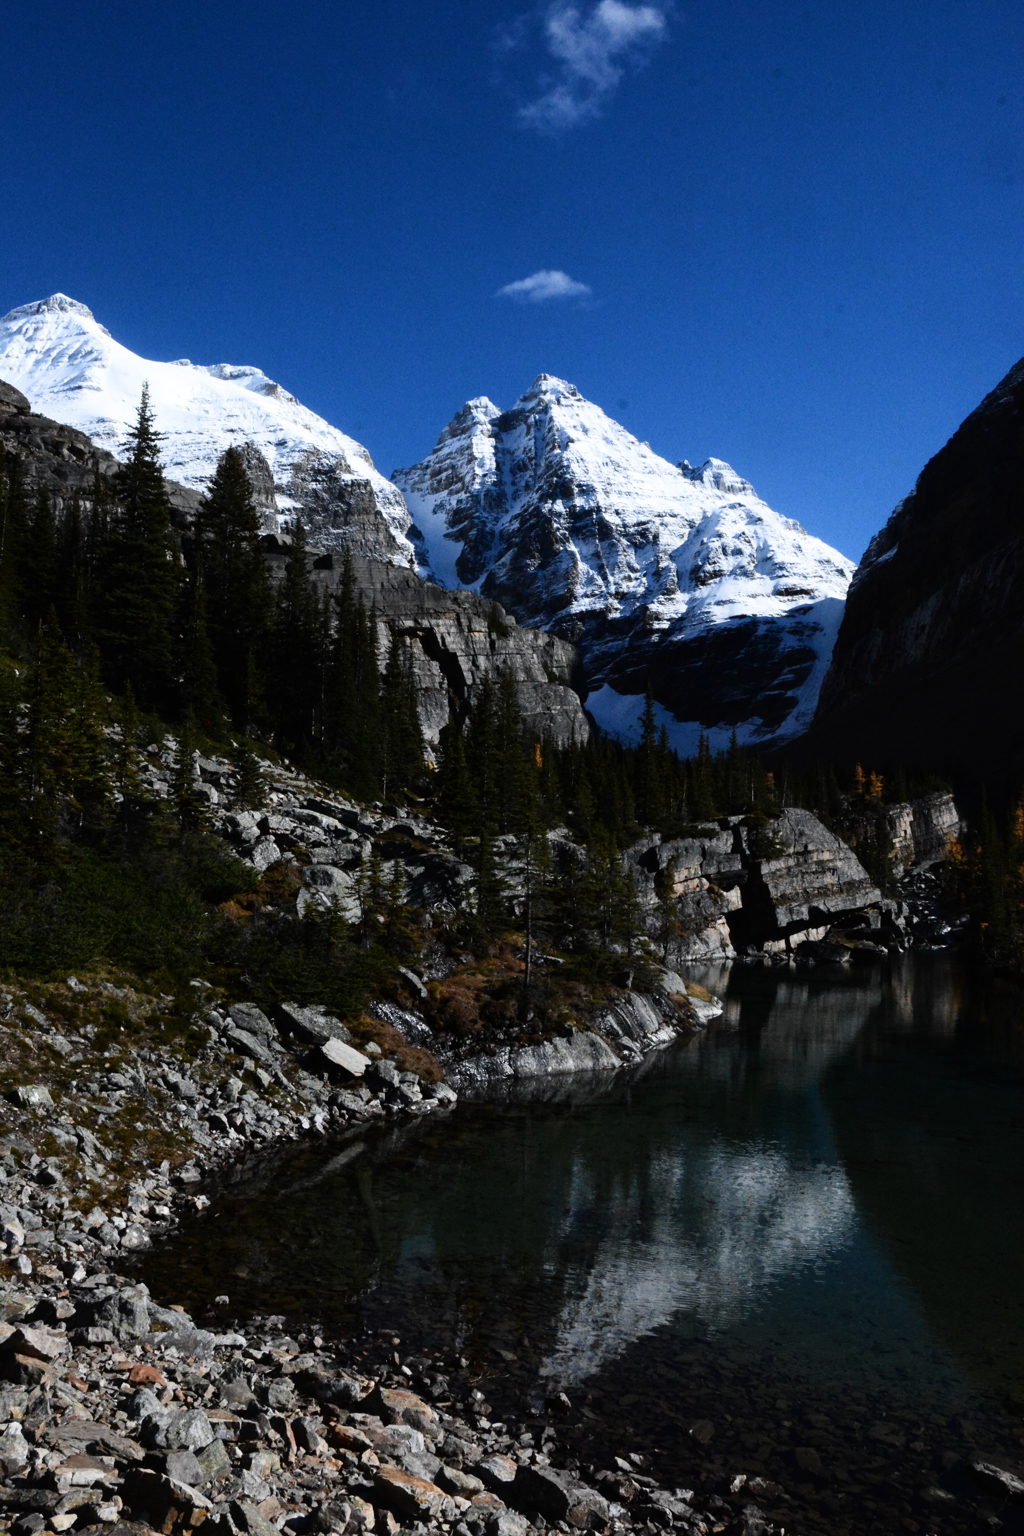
189	805
701	783
454	786
401	737
38	574
12	766
140	573
68	776
250	786
296	626
352	693
14	519
647	777
200	694
237	586
127	780
483	753
71	584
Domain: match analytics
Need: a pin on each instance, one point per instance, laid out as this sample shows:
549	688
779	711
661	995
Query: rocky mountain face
71	369
61	460
734	893
927	666
455	640
655	570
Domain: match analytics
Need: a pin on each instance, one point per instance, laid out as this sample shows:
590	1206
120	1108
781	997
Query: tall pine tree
140	573
237	587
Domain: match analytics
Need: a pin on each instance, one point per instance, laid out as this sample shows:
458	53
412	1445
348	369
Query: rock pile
123	1416
99	1129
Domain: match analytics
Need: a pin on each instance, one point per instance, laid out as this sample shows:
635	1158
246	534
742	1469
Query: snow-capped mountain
661	571
71	369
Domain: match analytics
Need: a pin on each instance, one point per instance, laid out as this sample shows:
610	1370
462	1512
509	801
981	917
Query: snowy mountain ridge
71	369
661	573
570	522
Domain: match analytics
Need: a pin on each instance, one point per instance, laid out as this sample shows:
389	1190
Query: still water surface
823	1197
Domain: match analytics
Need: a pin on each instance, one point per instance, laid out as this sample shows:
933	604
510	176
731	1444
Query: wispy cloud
593	48
543	286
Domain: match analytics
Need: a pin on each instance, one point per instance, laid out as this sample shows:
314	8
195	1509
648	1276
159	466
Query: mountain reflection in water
828	1183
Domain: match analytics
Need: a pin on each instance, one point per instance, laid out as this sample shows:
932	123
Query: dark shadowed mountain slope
928	668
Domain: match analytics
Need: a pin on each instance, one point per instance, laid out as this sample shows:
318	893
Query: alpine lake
791	1247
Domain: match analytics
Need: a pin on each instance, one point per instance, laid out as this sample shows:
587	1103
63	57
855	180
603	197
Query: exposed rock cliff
928	664
921	830
678	574
742	889
457	639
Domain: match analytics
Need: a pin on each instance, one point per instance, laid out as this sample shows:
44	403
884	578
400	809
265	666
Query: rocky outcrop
60	460
927	668
632	1026
659	572
455	640
922	830
744	889
346	510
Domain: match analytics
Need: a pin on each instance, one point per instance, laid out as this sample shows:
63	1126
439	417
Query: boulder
311	1023
32	1096
556	1495
397	1406
412	1497
165	1504
248	1045
126	1312
995	1480
253	1020
336	1054
497	1472
182	1429
325	885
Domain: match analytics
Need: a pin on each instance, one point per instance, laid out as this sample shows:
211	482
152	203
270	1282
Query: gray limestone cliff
921	830
455	640
737	889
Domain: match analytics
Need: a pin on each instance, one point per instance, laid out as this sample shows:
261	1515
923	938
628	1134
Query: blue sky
798	228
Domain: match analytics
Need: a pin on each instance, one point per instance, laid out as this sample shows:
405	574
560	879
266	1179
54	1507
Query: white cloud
593	49
542	286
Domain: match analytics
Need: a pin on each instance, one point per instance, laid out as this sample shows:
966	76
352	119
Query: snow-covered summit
71	368
571	523
624	527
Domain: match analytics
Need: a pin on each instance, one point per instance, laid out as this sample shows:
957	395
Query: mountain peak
555	510
73	370
549	388
720	475
57	303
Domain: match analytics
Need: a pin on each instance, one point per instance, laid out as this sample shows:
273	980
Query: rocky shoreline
120	1414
